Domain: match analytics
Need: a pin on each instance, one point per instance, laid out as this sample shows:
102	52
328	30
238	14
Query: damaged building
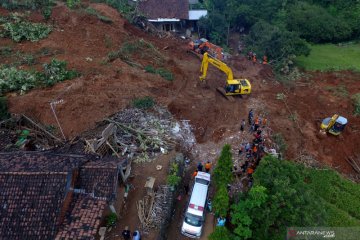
45	195
173	15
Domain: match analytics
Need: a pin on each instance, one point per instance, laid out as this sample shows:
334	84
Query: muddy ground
105	88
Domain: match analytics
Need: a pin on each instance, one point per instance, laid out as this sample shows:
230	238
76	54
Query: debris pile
153	210
140	135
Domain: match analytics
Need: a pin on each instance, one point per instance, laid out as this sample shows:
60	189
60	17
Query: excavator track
222	91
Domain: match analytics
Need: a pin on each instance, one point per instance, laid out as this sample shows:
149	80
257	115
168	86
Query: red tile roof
36	190
40	162
154	9
84	219
99	178
30	204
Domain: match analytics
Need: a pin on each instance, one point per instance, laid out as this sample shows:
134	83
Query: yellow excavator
334	125
232	86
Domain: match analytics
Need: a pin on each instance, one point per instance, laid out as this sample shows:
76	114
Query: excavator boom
216	63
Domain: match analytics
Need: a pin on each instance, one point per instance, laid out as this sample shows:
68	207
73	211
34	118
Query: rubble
153	209
141	135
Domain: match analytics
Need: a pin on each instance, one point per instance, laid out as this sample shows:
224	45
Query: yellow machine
233	86
334	125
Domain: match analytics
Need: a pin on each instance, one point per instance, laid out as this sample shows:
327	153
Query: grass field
330	57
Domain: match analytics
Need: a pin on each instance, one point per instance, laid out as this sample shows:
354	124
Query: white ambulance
195	213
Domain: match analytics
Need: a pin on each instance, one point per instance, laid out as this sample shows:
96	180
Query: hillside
112	59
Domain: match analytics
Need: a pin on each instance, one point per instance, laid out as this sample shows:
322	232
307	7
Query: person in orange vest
250	171
264	121
256	123
254	59
265	59
207	166
255	151
195	173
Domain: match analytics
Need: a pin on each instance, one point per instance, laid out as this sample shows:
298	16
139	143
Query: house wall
168	26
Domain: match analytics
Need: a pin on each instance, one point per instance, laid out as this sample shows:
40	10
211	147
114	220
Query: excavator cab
334	125
237	86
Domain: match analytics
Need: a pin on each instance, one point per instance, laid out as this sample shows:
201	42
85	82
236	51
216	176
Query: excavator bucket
222	91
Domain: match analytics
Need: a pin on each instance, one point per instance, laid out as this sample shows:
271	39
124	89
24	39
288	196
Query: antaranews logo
315	233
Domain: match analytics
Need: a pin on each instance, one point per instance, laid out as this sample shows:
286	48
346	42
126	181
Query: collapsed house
173	15
47	195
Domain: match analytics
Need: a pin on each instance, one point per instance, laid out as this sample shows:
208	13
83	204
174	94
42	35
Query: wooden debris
355	163
153	209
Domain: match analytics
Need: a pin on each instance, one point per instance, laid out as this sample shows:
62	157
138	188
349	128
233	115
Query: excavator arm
216	63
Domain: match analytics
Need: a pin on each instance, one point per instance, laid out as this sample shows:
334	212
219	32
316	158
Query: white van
195	213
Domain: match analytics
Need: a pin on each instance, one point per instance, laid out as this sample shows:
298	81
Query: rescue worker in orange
264	121
265	60
195	173
250	171
257	123
254	59
207	166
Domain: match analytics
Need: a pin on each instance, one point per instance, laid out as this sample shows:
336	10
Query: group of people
252	57
252	152
200	167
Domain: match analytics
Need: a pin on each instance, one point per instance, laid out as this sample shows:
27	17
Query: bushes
55	71
19	29
12	79
161	71
111	220
26	4
221	233
139	48
93	11
143	103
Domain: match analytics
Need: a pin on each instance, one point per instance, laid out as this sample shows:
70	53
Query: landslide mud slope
107	87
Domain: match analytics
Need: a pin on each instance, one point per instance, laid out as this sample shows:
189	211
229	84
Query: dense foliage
221	201
287	194
56	71
222	176
221	233
13	79
19	29
281	28
315	20
222	173
143	103
26	4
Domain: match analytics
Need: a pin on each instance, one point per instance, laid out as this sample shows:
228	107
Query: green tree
221	233
315	24
280	198
223	171
241	212
276	43
221	201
